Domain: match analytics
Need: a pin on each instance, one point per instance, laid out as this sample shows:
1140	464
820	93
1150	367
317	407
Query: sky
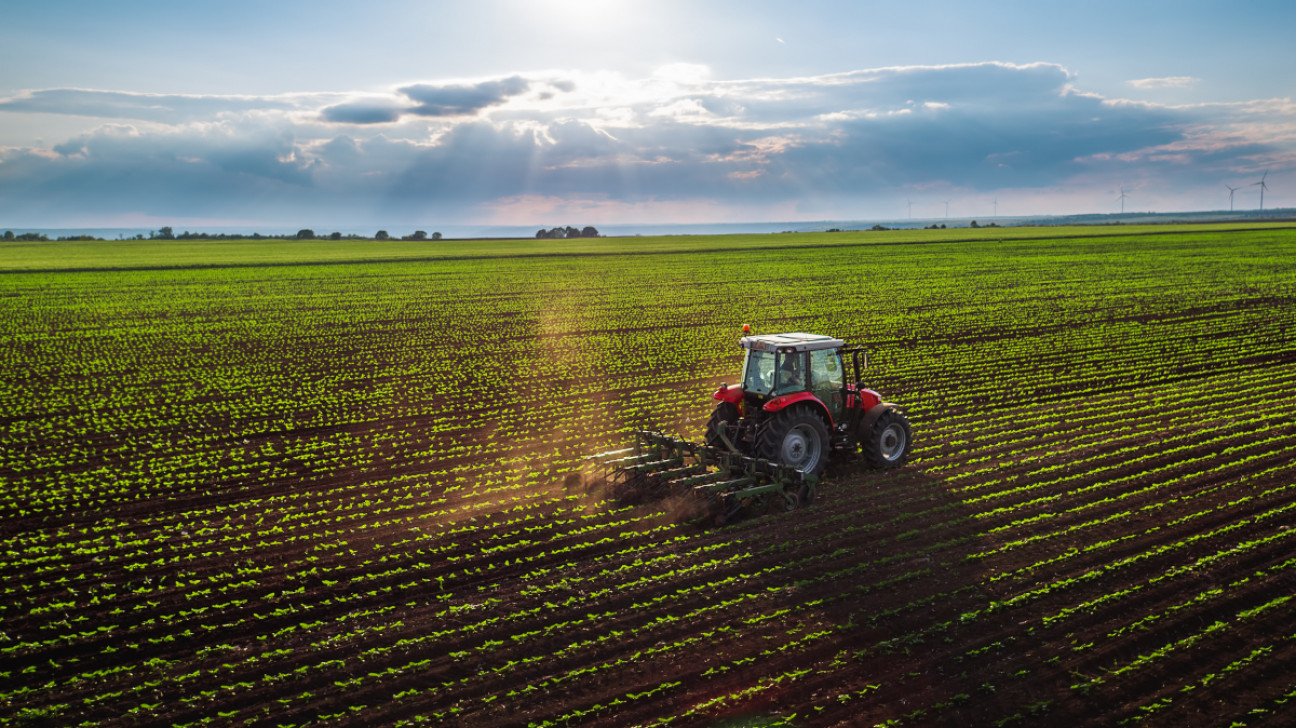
343	115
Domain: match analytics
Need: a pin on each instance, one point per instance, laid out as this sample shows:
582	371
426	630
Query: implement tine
626	461
695	481
600	456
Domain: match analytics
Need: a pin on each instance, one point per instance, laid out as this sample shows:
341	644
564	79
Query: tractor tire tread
725	412
770	441
872	446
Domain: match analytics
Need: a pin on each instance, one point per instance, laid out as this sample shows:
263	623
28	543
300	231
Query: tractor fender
867	398
870	417
732	395
787	400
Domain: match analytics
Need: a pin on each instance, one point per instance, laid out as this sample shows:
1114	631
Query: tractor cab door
828	381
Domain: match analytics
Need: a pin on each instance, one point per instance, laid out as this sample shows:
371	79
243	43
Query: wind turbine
1231	191
1122	199
947	209
910	208
1261	184
996	205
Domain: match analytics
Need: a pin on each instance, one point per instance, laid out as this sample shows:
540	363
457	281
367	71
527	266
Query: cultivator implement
718	482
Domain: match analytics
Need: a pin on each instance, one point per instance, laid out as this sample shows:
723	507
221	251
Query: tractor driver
790	376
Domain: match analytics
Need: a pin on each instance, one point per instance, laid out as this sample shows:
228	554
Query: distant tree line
567	232
308	234
167	233
9	235
39	237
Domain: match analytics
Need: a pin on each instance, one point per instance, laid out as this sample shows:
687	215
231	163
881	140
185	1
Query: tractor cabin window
791	373
758	372
827	379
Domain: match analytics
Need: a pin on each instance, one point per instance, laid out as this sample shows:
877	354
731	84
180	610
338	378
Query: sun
585	16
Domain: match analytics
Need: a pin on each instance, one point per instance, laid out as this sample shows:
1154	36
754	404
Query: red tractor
796	405
771	436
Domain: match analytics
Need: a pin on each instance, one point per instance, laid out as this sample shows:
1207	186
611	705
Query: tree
164	233
381	235
571	232
589	232
419	235
542	234
557	233
974	224
436	236
8	235
305	234
335	236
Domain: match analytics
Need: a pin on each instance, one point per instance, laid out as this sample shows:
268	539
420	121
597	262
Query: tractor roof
790	342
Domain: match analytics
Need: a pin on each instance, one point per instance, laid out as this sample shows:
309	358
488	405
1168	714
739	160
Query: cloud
428	100
162	108
437	100
210	172
463	100
1165	82
362	112
676	143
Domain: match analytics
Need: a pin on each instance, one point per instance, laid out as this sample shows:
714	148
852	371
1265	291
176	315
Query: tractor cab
779	365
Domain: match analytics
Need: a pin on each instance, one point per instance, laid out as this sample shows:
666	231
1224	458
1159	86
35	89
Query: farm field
344	485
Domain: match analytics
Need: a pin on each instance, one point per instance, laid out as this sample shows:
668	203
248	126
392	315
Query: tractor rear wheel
796	437
888	442
726	413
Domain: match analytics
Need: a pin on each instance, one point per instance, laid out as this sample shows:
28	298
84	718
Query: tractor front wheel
888	442
798	438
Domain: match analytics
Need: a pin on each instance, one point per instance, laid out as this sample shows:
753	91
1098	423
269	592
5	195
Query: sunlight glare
585	16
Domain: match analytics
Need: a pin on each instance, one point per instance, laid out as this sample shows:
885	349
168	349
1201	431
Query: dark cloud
475	161
339	149
435	101
362	112
210	173
980	145
463	100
